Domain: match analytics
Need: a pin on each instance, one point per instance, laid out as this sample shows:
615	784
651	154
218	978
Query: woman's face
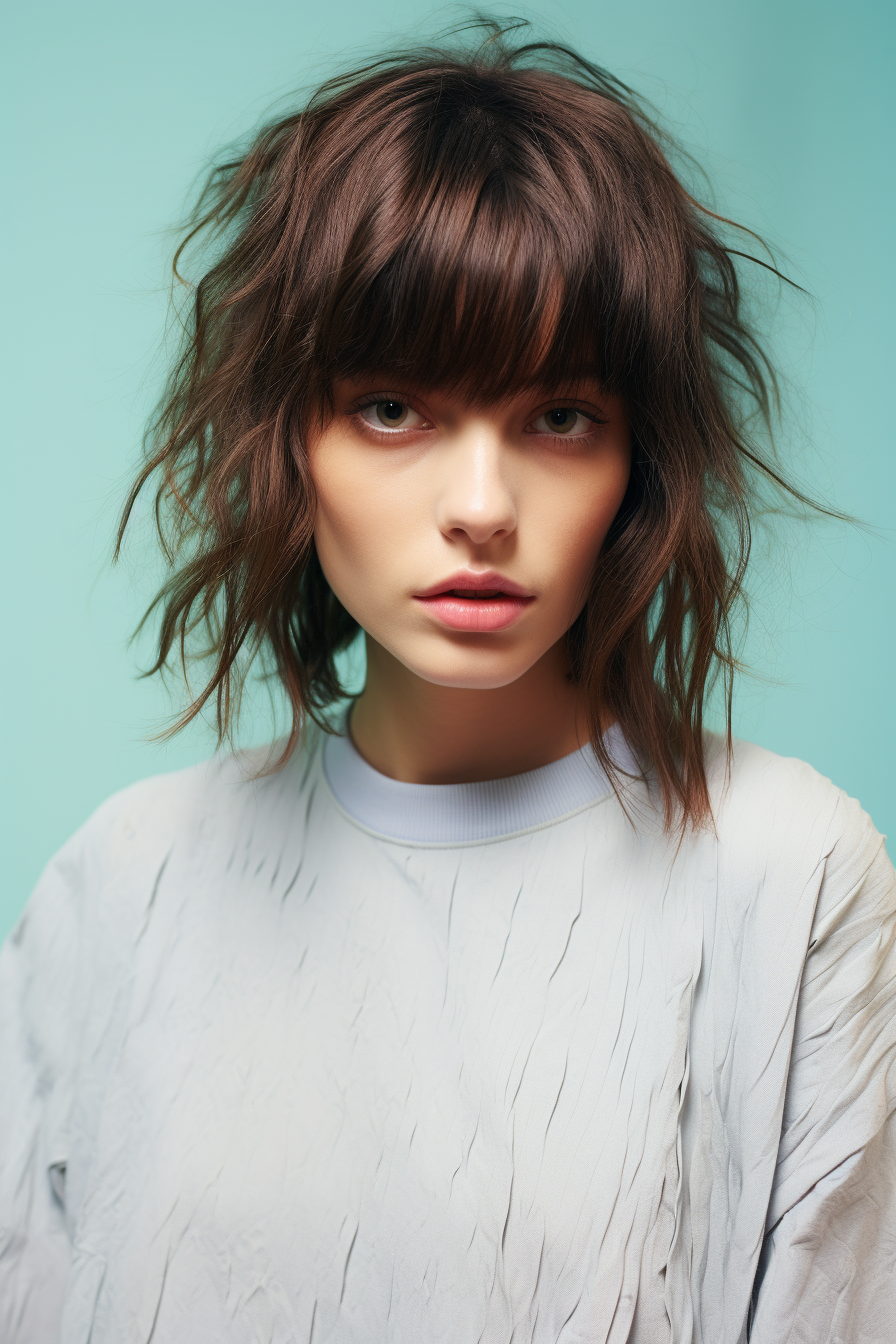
426	502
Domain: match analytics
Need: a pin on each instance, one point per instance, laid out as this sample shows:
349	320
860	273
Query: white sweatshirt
331	1059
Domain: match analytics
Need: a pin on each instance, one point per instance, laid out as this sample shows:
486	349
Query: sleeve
38	1047
827	1273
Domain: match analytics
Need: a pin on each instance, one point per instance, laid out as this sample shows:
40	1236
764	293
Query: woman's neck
421	733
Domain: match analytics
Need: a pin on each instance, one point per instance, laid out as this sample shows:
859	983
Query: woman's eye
564	420
391	415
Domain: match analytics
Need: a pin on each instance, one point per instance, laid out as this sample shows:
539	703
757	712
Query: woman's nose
475	497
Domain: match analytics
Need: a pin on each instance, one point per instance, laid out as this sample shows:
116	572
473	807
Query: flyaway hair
474	217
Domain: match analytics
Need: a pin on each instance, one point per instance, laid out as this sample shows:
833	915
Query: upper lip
466	578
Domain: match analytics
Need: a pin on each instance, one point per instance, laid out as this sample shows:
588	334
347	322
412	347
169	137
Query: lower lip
478	614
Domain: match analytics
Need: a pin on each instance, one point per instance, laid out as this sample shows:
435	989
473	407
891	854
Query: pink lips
477	614
506	601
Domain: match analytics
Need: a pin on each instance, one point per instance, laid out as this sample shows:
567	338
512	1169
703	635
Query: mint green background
112	109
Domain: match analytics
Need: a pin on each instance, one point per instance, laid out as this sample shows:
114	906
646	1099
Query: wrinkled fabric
269	1075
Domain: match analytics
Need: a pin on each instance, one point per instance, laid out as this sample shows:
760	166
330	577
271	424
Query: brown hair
421	216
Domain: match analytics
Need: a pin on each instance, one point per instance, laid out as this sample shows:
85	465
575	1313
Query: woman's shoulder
135	858
754	771
135	828
778	814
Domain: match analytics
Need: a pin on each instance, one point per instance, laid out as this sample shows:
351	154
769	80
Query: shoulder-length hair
425	216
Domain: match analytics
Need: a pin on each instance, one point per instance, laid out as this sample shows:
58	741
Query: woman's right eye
391	414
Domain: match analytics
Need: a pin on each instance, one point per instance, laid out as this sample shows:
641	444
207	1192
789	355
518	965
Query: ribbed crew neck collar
458	813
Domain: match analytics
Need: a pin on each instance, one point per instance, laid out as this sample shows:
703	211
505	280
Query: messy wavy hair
421	216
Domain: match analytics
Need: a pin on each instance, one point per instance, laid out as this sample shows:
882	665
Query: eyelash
375	399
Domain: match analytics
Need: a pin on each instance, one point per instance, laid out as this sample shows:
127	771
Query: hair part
472	217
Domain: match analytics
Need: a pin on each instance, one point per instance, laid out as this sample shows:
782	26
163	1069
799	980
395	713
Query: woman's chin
468	666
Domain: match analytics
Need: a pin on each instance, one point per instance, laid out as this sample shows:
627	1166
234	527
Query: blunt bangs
482	324
483	246
480	302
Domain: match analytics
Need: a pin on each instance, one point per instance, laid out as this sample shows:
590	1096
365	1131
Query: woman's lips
478	614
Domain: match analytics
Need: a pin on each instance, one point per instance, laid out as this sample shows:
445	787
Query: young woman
501	1002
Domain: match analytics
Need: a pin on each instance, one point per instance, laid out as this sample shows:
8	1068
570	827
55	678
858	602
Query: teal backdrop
113	109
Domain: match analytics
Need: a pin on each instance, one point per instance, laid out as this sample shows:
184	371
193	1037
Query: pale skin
417	485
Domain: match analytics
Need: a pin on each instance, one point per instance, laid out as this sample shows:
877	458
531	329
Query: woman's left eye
390	414
564	420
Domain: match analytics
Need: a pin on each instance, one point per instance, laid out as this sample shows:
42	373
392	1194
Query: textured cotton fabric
269	1073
